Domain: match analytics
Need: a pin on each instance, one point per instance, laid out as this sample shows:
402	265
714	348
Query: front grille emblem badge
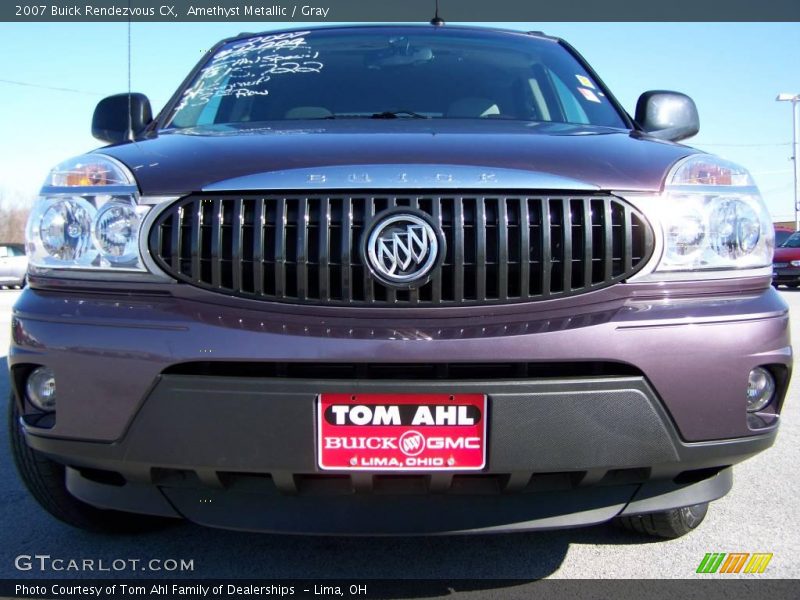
403	248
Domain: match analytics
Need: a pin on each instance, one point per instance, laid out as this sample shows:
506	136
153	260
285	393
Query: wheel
666	524
45	480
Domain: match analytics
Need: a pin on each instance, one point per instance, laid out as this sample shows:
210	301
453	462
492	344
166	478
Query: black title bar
397	11
583	589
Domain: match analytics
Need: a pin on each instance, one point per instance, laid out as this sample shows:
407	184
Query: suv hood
189	160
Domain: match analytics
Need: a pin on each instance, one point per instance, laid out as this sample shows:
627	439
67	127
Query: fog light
41	389
760	389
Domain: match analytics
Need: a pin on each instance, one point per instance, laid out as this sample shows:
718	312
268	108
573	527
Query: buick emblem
412	443
403	248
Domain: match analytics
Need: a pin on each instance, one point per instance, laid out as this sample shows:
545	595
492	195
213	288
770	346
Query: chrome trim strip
648	204
97	190
716	190
144	237
399	176
156	200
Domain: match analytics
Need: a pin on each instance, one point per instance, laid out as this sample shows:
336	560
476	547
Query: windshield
792	242
393	73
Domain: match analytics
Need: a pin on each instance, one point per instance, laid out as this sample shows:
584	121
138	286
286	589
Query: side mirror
113	123
667	115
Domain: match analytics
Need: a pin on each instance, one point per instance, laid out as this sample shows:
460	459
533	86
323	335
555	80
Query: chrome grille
306	247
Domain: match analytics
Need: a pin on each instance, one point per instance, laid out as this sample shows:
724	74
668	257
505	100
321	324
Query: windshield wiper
396	114
388	114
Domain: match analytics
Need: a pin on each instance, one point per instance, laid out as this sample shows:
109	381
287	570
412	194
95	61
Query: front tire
668	524
45	480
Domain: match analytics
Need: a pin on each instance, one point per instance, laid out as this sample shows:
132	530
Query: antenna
437	21
130	116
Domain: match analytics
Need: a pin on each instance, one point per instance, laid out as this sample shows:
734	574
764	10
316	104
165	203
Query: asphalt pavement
761	514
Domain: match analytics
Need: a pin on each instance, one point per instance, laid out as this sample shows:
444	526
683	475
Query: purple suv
390	280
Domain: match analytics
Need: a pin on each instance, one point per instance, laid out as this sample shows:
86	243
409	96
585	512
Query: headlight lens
87	217
686	235
714	218
66	230
91	170
735	228
116	231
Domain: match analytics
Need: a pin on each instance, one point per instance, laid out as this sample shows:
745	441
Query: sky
733	71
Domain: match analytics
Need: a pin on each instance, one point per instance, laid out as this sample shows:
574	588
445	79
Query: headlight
116	231
65	230
713	218
87	217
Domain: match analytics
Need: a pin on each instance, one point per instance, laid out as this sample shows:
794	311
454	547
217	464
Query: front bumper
182	408
561	453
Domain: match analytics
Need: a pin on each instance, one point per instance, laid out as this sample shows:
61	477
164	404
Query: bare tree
14	210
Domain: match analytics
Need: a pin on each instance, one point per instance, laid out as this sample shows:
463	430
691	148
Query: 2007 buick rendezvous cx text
395	279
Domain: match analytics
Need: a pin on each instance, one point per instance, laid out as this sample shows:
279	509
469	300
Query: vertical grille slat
258	247
302	248
323	252
197	222
502	257
524	248
436	283
280	248
347	243
567	241
480	252
458	250
236	244
413	293
546	246
216	234
307	249
369	213
588	250
628	241
608	254
175	239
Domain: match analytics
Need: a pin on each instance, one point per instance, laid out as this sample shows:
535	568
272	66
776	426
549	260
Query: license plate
401	432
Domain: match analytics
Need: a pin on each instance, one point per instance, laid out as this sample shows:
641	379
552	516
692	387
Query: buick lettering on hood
430	271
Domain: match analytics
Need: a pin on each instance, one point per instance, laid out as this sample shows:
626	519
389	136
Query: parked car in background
782	234
786	262
13	265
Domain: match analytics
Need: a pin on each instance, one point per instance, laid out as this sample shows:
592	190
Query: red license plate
401	432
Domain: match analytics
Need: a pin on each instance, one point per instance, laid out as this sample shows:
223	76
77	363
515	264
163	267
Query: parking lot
759	515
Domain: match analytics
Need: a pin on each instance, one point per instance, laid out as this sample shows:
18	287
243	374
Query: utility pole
794	99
